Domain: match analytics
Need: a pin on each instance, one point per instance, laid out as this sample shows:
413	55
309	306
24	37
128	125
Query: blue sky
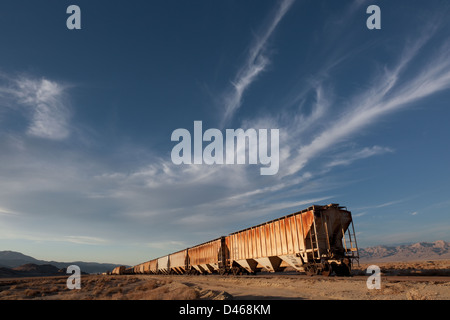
86	118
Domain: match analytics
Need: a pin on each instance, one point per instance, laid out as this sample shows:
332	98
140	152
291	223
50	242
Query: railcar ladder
351	251
314	241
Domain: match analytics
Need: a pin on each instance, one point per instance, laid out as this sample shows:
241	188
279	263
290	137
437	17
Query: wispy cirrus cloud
84	240
255	63
5	211
392	91
347	158
43	102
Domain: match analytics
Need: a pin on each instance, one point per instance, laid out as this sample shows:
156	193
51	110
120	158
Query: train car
153	266
146	268
179	262
163	265
118	270
129	270
312	240
136	269
208	257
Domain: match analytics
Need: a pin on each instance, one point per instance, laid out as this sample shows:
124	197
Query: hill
13	259
438	250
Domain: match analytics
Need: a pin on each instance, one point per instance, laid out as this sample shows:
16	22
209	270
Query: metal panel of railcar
163	265
267	245
153	266
336	233
206	257
146	269
178	261
129	270
118	270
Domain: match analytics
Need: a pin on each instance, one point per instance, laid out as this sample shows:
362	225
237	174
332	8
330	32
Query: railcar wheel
239	271
326	271
311	270
344	269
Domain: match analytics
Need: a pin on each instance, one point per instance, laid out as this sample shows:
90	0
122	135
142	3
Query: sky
86	118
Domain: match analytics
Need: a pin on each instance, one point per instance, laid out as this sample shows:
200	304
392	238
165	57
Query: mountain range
13	259
438	250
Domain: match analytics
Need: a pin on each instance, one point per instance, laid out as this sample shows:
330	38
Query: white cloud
255	63
84	240
50	114
349	157
383	205
359	214
43	102
4	211
12	231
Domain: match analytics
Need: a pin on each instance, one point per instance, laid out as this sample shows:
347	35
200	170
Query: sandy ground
399	281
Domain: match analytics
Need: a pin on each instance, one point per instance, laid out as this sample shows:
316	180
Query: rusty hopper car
153	266
146	269
207	257
129	270
119	270
316	240
140	269
137	268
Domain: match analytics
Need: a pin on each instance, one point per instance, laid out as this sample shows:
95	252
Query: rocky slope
437	250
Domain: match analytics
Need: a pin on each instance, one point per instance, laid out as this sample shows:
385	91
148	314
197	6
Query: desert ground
422	280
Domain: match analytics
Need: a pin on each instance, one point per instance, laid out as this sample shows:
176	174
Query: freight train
317	240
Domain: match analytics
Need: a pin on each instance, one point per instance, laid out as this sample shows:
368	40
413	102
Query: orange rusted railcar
311	240
119	270
207	257
153	266
146	267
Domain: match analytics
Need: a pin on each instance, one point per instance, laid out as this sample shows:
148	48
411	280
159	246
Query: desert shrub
148	285
111	291
31	292
53	289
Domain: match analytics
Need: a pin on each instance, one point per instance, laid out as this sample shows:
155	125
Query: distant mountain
31	267
437	250
32	270
13	259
